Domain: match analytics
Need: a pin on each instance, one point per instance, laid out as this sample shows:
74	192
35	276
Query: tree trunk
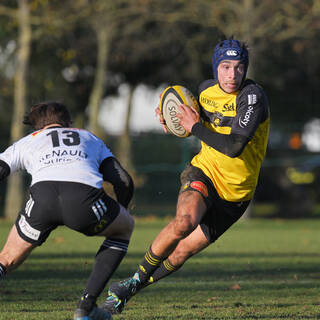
14	195
103	36
124	149
124	145
248	7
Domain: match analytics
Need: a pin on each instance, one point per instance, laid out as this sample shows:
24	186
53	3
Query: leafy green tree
154	49
281	37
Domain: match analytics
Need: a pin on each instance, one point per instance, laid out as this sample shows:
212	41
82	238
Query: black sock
149	264
3	271
107	260
165	269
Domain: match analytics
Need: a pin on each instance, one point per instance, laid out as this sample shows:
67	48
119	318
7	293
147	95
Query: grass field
260	269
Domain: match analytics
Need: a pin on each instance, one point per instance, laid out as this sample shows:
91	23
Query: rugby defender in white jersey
68	167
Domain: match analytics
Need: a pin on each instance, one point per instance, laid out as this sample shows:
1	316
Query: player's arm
113	172
4	170
231	145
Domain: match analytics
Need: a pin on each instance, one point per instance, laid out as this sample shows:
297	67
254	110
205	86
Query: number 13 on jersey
66	137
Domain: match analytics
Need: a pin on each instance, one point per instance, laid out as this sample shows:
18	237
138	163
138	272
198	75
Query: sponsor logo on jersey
246	119
252	99
216	119
62	155
27	230
199	186
209	102
228	107
232	53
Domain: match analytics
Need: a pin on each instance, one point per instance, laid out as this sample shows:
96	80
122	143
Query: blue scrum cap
230	50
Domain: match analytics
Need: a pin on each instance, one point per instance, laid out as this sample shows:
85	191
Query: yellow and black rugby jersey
244	113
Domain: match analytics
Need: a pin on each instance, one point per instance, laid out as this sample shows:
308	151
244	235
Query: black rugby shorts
53	203
221	214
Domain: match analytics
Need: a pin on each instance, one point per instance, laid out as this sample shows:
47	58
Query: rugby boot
120	293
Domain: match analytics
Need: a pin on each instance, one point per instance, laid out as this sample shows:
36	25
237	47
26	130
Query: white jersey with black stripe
59	154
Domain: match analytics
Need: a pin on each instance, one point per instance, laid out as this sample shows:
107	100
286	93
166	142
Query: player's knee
7	260
183	225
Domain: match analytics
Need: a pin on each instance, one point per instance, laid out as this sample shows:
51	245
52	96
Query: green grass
260	269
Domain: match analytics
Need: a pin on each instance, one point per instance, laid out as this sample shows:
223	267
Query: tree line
81	51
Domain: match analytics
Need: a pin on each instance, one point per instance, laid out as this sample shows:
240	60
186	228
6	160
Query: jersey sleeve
12	157
122	182
231	145
4	170
252	109
105	152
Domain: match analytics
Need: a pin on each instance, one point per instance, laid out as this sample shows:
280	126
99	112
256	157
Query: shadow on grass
211	255
209	268
191	271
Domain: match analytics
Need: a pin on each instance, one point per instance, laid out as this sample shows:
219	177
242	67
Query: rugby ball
170	100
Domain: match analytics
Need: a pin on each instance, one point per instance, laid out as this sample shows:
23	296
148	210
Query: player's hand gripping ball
171	99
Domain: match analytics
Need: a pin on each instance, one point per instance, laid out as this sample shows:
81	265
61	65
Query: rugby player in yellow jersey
217	186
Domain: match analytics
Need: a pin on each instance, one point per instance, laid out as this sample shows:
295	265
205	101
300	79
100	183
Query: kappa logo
232	53
244	122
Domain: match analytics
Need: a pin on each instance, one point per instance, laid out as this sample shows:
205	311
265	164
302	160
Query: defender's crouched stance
68	166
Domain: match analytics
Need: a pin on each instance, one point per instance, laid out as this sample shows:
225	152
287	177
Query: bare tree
104	36
24	20
106	18
15	189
